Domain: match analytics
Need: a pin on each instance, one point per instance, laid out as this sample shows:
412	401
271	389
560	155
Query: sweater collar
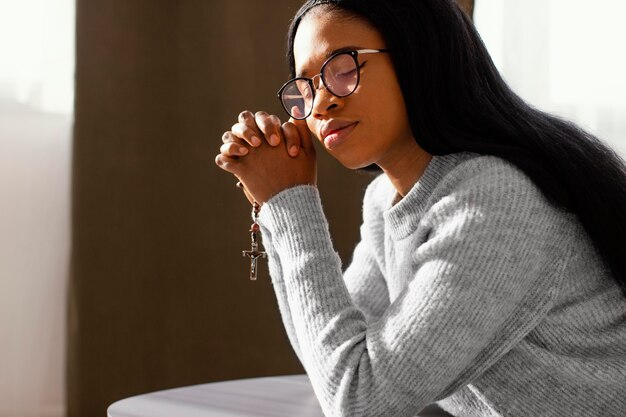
402	217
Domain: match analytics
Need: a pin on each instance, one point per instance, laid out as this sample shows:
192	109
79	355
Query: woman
490	275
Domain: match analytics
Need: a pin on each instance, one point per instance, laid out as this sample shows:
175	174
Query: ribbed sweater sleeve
363	278
482	277
365	283
276	272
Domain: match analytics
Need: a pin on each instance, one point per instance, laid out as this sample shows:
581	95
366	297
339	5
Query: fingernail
243	150
274	139
293	150
255	141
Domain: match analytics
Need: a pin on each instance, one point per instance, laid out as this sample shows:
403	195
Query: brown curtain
159	294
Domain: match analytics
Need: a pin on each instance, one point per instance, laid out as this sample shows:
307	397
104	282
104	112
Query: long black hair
457	101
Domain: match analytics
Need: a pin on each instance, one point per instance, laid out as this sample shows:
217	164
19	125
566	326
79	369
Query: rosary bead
255	228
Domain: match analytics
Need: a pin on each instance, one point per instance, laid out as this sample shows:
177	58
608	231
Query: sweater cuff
295	220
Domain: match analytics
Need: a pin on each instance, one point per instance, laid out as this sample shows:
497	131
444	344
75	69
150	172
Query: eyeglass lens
340	76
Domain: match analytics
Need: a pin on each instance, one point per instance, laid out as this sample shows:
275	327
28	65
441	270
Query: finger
230	137
292	138
249	135
247	129
228	164
233	150
306	138
269	126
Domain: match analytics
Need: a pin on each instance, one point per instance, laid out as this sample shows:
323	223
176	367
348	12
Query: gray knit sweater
472	291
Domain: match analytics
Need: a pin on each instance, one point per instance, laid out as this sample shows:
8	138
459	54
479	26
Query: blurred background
120	241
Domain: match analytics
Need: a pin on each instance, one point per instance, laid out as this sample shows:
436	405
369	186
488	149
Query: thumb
306	136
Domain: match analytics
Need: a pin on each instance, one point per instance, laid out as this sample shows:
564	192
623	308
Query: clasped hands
251	151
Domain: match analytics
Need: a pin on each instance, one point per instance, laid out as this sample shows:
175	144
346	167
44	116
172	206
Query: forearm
278	283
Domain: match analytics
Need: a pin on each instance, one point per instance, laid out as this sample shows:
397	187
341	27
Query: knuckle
245	114
262	122
226	165
289	129
251	124
260	113
275	119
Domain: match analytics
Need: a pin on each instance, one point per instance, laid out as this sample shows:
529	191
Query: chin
353	164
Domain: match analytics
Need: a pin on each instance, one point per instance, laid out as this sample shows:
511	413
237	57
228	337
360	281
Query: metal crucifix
254	253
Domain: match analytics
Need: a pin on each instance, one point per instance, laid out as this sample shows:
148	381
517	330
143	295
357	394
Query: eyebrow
331	53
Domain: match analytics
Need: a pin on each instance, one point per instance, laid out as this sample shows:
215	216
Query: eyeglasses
340	75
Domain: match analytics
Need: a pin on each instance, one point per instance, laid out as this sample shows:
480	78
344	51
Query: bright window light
37	54
563	56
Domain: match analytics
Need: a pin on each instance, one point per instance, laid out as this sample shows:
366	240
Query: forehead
320	34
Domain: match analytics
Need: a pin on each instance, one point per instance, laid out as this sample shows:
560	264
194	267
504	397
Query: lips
336	137
333	126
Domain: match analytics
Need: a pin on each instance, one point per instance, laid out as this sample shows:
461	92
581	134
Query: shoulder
491	172
491	181
500	198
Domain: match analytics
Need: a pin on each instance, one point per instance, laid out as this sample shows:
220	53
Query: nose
324	101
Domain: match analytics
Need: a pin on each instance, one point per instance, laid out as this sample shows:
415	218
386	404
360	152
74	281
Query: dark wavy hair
457	101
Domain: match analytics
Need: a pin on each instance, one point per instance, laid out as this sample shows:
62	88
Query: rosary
254	254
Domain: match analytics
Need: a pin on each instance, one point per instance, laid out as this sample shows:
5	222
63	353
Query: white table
278	396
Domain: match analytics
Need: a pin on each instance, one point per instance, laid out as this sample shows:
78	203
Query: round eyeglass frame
353	53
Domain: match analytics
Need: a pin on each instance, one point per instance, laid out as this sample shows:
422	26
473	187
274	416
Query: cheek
395	109
312	125
388	111
382	95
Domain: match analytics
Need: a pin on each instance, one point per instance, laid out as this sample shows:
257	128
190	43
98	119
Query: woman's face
377	127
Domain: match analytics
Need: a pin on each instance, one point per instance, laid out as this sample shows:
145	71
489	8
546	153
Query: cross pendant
254	254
